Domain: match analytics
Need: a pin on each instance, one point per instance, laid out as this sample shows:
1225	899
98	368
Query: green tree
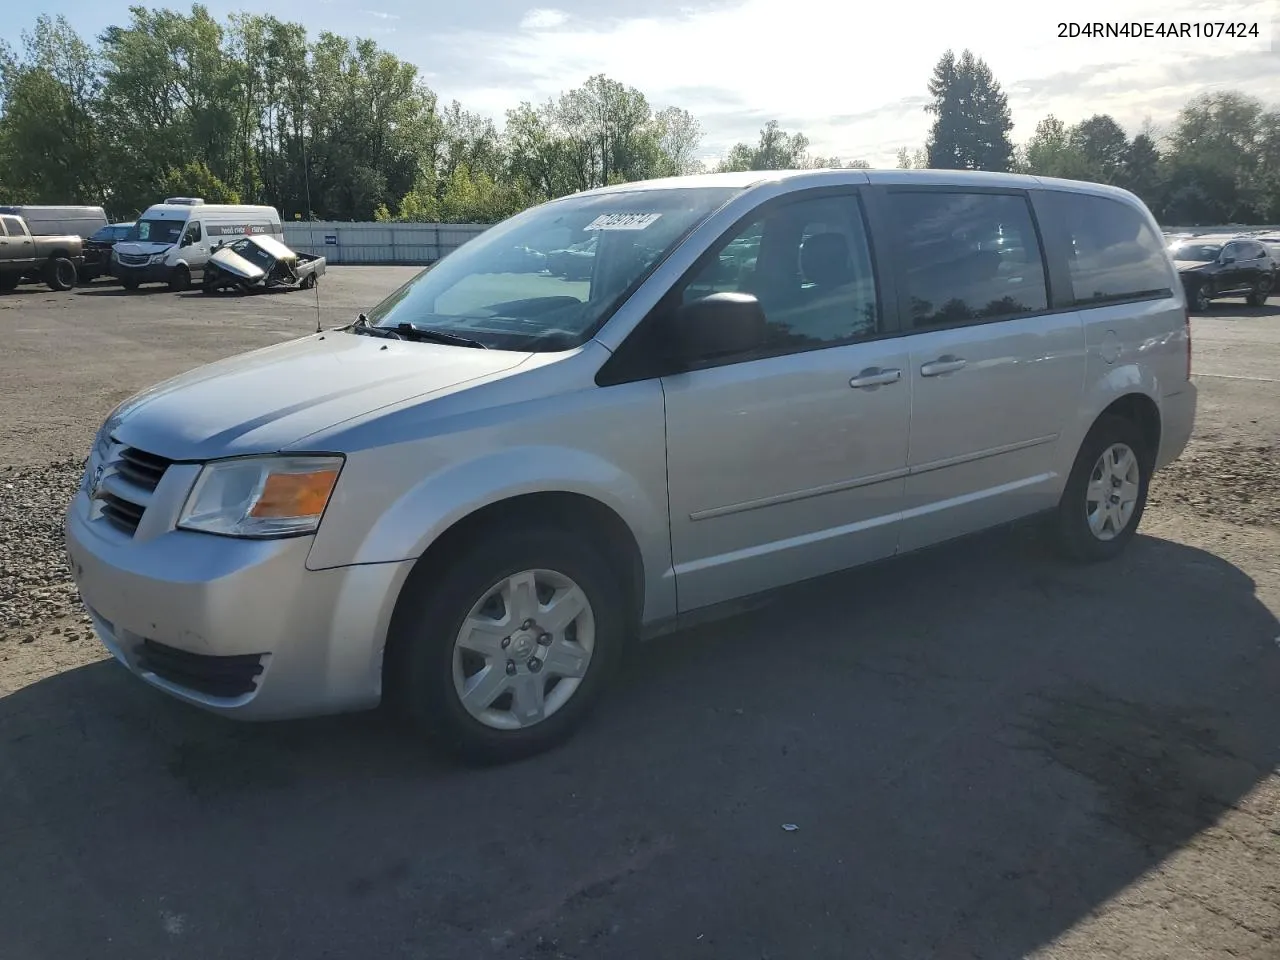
51	129
1104	146
679	138
971	123
776	150
1051	152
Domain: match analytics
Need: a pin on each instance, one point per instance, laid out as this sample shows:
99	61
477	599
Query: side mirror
720	325
1227	260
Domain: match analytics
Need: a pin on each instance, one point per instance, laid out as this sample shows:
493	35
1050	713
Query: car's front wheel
1106	492
60	274
1200	298
502	653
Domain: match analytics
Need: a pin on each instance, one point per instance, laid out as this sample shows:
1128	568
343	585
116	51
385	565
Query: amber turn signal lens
295	494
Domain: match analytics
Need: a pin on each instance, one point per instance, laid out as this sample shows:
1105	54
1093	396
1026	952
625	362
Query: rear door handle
875	377
944	364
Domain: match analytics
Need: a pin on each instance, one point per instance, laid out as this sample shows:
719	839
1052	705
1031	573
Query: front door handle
875	377
944	364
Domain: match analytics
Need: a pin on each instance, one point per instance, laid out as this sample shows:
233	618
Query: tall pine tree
972	122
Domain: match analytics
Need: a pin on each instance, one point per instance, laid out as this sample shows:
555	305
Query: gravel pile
1235	482
35	586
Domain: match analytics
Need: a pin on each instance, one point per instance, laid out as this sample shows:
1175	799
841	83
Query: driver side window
808	262
193	234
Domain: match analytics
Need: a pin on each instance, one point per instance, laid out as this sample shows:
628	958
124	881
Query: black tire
308	281
1258	295
419	672
1200	299
180	278
59	274
129	283
9	282
1070	524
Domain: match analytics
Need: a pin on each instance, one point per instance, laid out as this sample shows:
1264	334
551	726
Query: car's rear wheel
1106	492
308	281
502	653
1200	299
9	281
60	274
1258	295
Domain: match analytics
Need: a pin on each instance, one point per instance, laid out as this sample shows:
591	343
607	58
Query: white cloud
852	78
380	15
543	19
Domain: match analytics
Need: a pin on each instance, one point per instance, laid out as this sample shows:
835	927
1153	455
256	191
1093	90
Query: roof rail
185	201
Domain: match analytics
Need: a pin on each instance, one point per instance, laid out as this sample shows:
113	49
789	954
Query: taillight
1186	322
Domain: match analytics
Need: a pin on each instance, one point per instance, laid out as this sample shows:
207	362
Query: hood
262	402
1185	265
141	247
236	265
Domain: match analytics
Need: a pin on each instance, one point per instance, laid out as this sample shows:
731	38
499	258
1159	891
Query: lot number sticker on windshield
622	221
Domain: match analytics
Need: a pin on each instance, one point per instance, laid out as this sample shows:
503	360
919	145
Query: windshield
1196	251
254	254
547	278
158	231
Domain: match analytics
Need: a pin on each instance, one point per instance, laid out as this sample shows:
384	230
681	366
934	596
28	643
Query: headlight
157	258
261	497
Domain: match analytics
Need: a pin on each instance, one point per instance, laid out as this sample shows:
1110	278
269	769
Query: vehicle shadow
118	291
1237	310
977	746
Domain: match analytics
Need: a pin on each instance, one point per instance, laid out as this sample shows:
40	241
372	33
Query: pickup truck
53	259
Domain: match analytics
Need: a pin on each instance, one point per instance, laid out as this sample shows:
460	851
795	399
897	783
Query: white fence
380	243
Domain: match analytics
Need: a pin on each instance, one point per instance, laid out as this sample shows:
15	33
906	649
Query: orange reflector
295	494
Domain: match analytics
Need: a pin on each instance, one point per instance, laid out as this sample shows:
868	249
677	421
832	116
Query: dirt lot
986	754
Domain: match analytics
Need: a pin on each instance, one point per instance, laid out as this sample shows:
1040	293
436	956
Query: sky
852	78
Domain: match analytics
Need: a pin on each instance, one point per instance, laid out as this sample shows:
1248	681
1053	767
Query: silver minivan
465	503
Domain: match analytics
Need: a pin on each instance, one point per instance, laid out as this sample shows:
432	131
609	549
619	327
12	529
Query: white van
172	241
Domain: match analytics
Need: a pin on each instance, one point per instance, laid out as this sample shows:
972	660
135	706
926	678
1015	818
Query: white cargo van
172	241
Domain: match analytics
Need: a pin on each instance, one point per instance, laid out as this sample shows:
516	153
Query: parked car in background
99	247
53	221
468	501
260	263
54	259
172	241
1211	268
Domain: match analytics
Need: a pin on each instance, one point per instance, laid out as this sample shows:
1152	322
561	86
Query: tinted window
809	265
1114	254
12	226
968	257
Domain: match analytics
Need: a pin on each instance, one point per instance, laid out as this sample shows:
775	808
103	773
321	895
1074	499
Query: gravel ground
986	755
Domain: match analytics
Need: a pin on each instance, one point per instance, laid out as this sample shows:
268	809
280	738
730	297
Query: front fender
410	524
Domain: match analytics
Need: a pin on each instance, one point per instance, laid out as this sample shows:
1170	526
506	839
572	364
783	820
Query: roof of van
750	178
234	209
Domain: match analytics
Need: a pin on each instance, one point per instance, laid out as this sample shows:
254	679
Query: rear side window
1113	253
968	257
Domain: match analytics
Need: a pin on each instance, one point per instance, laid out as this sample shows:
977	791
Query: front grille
140	468
123	504
134	259
120	513
228	677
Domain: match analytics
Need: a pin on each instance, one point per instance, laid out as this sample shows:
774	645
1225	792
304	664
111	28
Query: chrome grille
129	478
134	259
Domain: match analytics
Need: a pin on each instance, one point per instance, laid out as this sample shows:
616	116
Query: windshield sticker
622	221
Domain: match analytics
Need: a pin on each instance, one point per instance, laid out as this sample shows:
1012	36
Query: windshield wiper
438	336
363	326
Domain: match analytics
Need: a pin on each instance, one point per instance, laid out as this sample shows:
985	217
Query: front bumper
151	273
238	627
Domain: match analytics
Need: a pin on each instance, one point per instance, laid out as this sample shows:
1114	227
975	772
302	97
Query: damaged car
260	262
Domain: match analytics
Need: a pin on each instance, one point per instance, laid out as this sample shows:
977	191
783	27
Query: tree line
253	110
